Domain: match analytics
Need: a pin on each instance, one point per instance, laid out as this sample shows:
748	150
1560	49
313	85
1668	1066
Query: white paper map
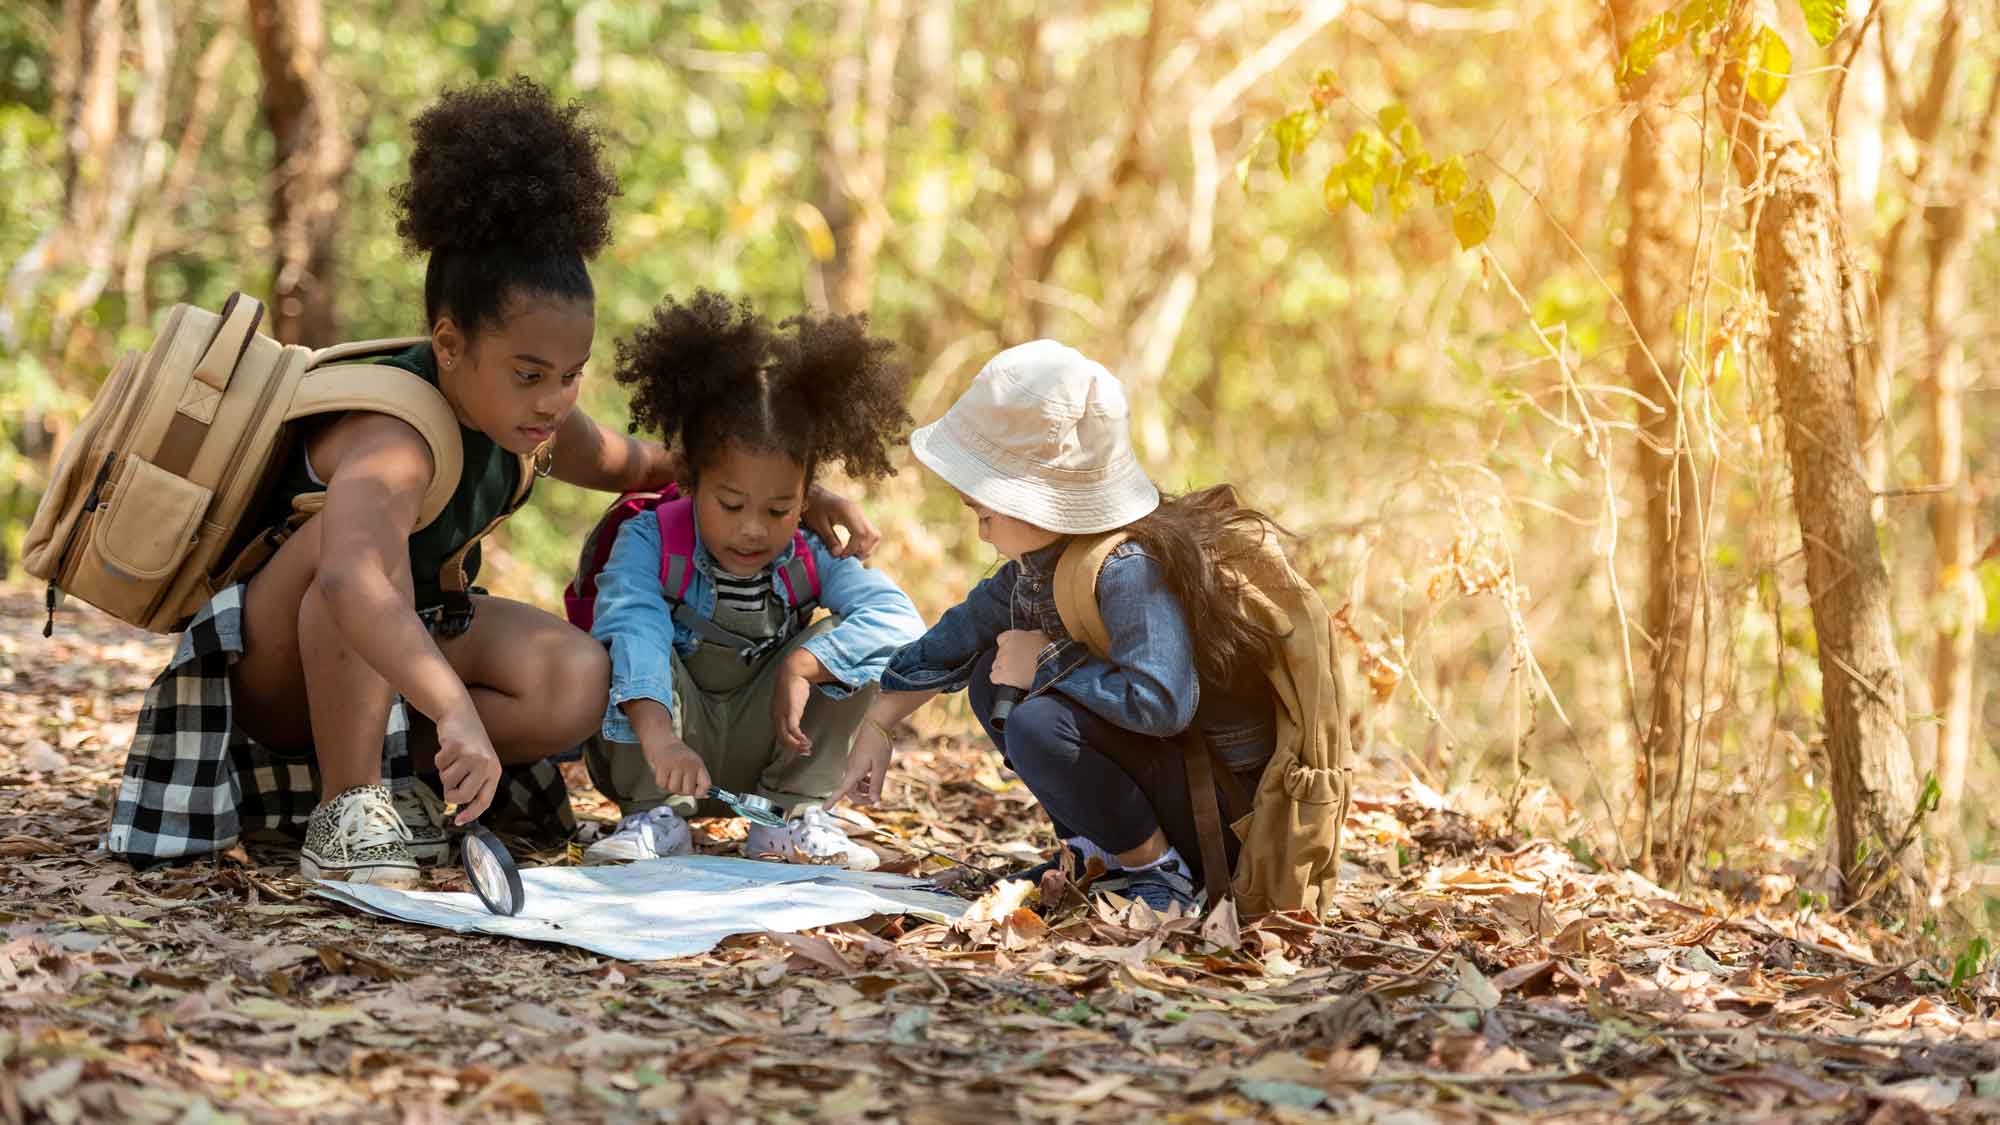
661	908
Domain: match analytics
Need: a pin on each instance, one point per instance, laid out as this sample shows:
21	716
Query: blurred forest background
1525	317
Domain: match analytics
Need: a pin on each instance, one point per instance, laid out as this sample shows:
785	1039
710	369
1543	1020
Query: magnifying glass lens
757	810
491	871
760	810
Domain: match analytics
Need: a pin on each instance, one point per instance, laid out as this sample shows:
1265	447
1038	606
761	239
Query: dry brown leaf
817	950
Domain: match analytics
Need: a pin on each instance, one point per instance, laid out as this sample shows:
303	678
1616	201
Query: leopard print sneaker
357	838
422	812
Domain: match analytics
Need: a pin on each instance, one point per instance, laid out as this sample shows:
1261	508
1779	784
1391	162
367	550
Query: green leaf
1402	190
1409	140
1367	147
1988	571
1451	180
1767	66
1697	18
1289	1095
1334	191
1969	960
1472	217
1360	176
1824	18
1293	132
1654	38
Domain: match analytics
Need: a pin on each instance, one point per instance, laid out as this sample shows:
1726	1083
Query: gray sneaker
357	838
643	835
422	812
810	835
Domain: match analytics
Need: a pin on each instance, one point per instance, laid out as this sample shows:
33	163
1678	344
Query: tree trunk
312	157
1960	602
1797	240
1653	269
861	90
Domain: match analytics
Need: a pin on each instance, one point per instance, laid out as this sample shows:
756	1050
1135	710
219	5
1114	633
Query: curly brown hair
710	371
508	192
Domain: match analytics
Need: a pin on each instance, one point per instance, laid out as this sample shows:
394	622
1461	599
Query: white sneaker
644	835
810	836
357	837
422	812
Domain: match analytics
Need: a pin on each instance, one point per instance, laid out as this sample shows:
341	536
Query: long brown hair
1189	536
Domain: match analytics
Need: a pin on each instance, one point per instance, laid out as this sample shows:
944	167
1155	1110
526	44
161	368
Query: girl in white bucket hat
1039	448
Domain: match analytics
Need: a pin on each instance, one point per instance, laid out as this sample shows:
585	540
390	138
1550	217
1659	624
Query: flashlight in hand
1005	696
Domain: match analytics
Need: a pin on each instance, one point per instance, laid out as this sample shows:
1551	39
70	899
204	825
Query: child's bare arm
590	454
868	761
374	497
676	766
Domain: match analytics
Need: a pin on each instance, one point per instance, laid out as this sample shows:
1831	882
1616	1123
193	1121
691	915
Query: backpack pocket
142	534
47	547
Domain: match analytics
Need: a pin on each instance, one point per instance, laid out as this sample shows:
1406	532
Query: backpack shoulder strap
676	546
393	391
361	349
800	576
1076	588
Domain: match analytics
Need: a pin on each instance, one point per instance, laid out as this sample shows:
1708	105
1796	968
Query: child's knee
315	620
1041	732
575	681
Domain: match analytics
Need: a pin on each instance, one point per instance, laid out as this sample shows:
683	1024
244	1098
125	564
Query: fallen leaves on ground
1461	976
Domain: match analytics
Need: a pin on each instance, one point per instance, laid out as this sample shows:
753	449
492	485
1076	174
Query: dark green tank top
486	485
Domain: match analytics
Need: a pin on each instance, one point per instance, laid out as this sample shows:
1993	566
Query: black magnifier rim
481	837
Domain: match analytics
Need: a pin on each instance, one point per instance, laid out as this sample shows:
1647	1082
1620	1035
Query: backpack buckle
452	618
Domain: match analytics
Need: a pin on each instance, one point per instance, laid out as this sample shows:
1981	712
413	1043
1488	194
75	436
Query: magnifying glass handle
1005	696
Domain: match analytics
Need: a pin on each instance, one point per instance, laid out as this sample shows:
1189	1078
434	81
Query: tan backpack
143	514
1290	831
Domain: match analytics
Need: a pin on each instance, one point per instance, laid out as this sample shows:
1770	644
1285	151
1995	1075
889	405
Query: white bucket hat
1042	435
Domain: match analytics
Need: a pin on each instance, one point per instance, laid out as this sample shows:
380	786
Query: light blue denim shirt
635	621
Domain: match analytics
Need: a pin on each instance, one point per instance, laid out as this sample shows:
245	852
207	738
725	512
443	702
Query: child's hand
466	763
788	706
867	767
1020	650
829	512
677	768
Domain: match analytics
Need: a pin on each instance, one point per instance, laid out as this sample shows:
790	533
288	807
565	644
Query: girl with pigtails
718	674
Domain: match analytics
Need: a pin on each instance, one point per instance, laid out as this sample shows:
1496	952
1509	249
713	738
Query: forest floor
1463	976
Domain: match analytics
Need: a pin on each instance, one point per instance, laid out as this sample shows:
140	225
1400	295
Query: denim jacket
1148	685
635	621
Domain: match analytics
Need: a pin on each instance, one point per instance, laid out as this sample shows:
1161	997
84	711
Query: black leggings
1094	778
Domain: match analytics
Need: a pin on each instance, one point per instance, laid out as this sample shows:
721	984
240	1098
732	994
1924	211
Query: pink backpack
799	577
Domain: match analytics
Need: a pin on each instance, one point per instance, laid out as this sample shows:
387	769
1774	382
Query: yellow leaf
818	235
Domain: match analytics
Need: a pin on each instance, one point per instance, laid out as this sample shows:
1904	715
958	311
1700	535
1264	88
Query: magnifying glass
491	870
756	810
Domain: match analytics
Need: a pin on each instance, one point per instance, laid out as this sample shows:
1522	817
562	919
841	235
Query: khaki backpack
143	513
1290	832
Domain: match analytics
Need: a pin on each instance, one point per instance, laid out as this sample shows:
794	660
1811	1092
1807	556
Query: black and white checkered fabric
195	785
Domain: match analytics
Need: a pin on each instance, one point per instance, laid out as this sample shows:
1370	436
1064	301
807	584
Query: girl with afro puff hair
508	196
724	680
